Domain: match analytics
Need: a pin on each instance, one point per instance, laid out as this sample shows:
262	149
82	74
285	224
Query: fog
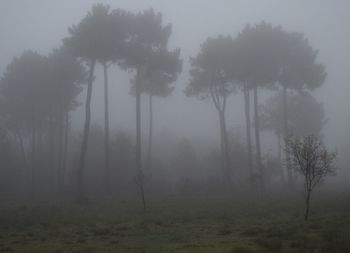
41	25
244	142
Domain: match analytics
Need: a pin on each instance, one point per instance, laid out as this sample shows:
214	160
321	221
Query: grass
197	225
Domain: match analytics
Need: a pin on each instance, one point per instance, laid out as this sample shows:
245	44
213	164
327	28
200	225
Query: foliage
305	114
210	72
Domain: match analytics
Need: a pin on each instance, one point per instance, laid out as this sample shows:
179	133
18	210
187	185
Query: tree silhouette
306	116
299	71
157	77
210	77
100	36
310	158
66	75
82	43
24	102
36	93
259	49
148	36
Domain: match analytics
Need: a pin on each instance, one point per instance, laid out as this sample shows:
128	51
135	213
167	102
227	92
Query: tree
36	93
310	158
97	37
148	36
306	116
66	75
157	77
210	76
111	44
259	52
25	103
299	71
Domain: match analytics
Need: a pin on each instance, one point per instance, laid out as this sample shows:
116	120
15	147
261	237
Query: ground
192	224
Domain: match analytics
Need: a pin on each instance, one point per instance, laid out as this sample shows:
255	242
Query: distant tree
260	53
306	116
310	158
209	77
8	173
96	38
66	75
112	39
157	79
299	71
25	103
148	36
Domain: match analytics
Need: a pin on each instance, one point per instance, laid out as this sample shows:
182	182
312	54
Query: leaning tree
210	77
96	38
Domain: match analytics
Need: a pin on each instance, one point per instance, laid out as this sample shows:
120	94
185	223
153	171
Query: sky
40	25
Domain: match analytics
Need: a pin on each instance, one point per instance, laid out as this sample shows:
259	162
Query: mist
150	118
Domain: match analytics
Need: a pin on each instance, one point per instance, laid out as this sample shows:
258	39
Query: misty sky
40	25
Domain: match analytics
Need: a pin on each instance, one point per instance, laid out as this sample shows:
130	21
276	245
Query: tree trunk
257	138
60	174
107	167
140	175
33	163
65	145
222	151
21	146
225	149
279	150
150	134
84	145
248	127
285	121
307	207
52	153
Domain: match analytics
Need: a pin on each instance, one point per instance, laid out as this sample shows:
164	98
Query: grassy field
179	225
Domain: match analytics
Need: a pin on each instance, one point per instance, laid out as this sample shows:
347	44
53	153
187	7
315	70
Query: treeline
42	157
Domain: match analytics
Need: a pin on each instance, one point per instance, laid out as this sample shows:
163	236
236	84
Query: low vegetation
179	225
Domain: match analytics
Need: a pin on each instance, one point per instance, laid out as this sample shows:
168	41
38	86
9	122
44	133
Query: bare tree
309	157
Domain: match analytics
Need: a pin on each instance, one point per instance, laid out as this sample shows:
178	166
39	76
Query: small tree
309	157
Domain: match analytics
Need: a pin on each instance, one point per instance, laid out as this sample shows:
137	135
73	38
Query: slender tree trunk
84	145
60	174
225	149
140	175
279	150
222	150
150	134
248	127
286	133
65	144
33	163
21	146
52	153
307	207
107	167
257	138
24	158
